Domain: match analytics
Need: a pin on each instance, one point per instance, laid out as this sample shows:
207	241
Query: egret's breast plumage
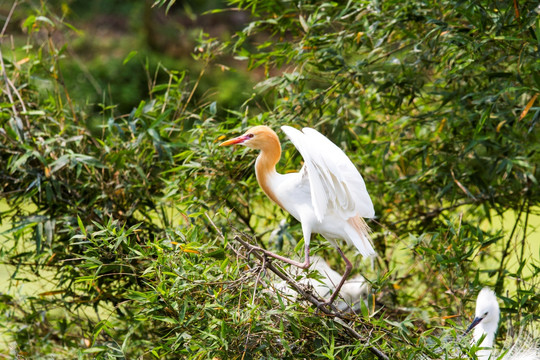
292	191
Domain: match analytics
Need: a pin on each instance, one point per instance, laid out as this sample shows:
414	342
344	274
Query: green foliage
122	212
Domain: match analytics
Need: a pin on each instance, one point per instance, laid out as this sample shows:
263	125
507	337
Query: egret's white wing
335	182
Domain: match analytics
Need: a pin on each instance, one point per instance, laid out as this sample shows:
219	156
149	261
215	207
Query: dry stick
263	266
10	83
338	317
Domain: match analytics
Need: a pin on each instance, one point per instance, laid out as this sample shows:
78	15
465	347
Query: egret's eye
250	135
485	313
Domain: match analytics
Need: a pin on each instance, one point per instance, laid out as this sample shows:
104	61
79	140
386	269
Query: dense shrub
130	218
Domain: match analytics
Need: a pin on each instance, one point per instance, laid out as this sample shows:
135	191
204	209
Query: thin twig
478	199
7	19
6	80
221	235
258	279
433	213
523	242
36	264
390	53
10	83
500	281
193	90
60	75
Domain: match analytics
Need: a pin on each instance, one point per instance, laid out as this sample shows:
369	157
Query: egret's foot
324	304
328	305
269	254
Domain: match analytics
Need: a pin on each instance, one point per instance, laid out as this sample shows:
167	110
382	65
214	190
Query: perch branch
339	317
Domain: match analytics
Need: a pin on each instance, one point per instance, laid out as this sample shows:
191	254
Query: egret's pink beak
237	140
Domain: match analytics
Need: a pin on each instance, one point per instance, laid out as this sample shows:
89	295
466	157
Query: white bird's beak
475	322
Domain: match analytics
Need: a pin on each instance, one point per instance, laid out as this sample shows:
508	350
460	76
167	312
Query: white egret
327	196
485	325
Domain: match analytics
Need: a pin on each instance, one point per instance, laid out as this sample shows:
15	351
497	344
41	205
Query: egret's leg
307	237
347	272
282	258
306	231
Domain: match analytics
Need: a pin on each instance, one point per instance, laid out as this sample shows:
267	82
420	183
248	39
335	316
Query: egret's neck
487	342
265	168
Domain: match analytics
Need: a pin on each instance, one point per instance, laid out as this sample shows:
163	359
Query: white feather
335	183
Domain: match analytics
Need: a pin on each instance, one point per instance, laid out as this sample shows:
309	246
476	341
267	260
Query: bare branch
333	312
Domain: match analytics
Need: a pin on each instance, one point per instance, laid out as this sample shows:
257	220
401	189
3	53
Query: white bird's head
487	314
258	137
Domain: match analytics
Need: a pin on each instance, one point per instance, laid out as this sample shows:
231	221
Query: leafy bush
131	218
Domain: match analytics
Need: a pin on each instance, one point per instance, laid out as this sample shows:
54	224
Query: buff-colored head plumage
259	137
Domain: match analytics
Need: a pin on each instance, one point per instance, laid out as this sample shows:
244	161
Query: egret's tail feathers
362	240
